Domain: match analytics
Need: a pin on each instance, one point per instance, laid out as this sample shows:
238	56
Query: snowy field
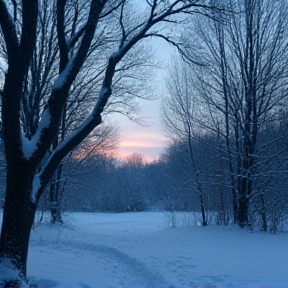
137	250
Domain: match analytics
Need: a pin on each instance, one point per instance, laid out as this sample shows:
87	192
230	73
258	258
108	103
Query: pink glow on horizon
151	146
150	155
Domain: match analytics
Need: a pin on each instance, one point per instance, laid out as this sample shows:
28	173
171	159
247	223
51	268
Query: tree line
105	184
226	109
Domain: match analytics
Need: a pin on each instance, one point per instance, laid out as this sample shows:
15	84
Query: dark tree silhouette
29	167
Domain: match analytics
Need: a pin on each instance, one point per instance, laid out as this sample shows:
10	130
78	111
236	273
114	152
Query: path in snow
130	271
134	250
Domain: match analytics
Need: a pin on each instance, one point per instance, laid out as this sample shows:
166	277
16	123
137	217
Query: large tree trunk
204	220
18	218
235	205
243	211
243	205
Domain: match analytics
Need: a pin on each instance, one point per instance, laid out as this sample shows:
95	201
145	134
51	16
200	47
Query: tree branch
94	119
63	47
28	37
9	32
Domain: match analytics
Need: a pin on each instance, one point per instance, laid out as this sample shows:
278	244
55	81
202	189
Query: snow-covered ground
138	250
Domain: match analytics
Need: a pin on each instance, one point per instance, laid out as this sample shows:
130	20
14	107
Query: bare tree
42	73
178	116
29	170
239	85
101	141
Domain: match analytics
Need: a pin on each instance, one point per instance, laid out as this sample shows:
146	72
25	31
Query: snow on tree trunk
18	218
